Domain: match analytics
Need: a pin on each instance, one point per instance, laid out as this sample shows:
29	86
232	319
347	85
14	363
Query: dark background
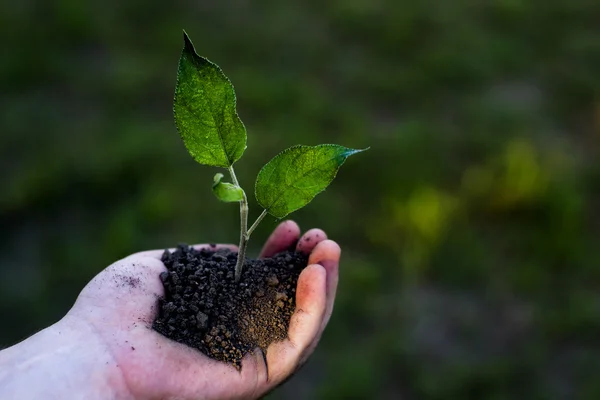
470	230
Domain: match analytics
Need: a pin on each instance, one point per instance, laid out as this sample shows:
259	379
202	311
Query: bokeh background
470	230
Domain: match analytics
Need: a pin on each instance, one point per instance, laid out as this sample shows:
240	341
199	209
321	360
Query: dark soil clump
205	308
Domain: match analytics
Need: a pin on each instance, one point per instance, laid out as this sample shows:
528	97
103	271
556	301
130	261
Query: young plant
206	118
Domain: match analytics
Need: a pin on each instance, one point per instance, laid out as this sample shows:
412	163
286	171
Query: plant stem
243	229
255	224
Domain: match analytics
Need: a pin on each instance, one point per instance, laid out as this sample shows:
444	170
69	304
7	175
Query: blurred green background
470	230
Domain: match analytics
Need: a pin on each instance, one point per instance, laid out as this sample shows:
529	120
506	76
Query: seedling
206	118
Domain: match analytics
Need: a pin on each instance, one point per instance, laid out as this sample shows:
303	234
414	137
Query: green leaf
227	192
295	176
205	113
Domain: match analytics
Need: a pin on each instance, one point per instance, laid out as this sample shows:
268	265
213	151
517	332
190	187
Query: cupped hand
120	304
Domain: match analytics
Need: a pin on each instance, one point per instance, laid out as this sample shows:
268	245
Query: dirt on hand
205	308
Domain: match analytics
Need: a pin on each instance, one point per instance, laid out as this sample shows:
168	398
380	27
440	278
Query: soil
205	308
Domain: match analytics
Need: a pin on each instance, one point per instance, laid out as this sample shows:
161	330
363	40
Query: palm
120	304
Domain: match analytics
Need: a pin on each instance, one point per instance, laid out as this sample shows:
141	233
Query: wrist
65	360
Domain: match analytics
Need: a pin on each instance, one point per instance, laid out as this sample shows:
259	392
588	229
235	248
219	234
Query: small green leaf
227	192
295	176
205	111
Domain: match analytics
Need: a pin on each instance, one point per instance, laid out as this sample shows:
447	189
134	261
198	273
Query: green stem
255	224
243	229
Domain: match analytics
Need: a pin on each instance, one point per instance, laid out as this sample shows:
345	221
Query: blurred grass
470	230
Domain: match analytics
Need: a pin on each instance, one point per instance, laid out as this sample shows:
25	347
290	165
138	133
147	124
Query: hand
116	310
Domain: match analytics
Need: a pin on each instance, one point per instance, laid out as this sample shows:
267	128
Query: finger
253	366
282	238
310	305
284	357
309	240
158	253
327	253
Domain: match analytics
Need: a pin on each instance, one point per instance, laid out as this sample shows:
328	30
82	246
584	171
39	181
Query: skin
104	348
